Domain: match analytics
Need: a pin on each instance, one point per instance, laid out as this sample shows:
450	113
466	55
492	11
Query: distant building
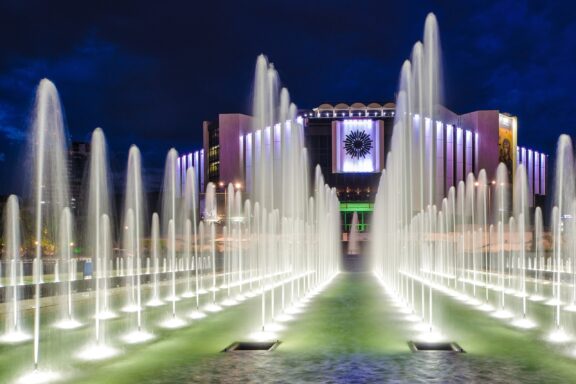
78	157
350	143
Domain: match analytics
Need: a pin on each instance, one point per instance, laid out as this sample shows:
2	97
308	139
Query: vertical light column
530	165
449	156
428	162
537	173
476	150
468	153
202	170
543	174
459	155
441	189
248	164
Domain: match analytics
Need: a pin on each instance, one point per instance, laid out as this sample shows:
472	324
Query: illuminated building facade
350	142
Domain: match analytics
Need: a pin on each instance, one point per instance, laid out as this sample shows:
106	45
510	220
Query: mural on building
506	149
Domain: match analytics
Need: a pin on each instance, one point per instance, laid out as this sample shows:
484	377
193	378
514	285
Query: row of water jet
279	240
295	225
484	242
405	210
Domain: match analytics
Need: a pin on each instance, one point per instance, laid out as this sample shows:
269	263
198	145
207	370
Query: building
350	142
78	157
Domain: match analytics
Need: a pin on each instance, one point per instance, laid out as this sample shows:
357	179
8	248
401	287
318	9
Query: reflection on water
426	367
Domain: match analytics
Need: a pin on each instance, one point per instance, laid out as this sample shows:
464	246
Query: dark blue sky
149	72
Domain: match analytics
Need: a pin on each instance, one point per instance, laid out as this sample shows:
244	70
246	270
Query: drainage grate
252	346
418	346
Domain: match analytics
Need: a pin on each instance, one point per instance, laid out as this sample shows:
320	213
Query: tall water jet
501	217
237	219
211	217
135	208
170	202
99	348
49	183
353	236
129	250
538	254
521	213
99	204
14	332
190	210
155	300
563	197
67	320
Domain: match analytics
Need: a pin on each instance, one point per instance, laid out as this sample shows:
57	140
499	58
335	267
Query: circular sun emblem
357	144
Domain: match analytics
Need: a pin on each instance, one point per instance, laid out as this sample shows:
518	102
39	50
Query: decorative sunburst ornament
357	144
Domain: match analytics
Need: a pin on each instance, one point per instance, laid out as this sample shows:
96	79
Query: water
14	332
483	243
238	248
353	240
277	241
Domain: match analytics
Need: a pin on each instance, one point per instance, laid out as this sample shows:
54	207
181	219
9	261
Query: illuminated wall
535	164
196	160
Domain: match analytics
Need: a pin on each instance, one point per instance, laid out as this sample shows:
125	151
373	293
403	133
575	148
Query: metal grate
252	346
417	346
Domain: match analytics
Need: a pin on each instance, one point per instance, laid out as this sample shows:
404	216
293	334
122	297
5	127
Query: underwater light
524	323
536	298
285	317
229	302
273	327
558	336
293	310
486	307
554	301
136	337
15	337
473	302
197	315
39	376
155	303
68	324
130	308
97	352
421	327
263	336
213	307
503	314
431	337
413	318
106	315
173	323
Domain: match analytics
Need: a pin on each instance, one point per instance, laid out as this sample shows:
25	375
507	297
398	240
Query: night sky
149	73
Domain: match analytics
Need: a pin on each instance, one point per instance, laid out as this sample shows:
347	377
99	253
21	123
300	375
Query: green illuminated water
350	332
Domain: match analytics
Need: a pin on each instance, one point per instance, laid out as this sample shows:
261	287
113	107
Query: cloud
7	126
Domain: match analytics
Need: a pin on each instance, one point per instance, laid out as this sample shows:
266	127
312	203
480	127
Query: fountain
134	233
14	331
353	241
